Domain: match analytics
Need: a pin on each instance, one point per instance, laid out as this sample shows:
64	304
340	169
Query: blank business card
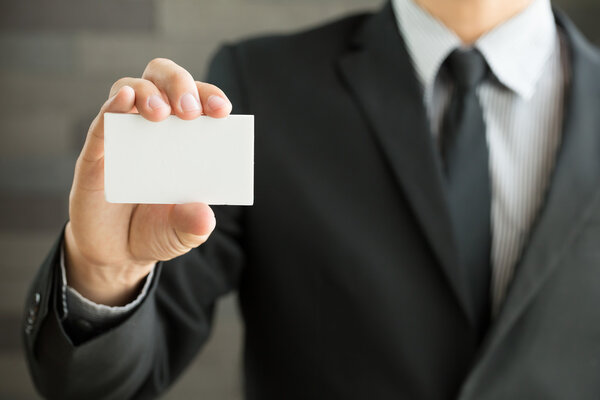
175	161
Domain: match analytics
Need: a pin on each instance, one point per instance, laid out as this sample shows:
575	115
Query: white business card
174	161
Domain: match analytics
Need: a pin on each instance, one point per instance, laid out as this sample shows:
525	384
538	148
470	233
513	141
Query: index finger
177	84
121	102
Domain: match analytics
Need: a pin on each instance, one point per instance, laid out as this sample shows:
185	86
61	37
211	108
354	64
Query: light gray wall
58	59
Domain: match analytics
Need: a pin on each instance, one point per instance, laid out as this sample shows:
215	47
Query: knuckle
94	123
179	77
77	167
156	62
119	84
71	196
188	242
212	88
209	88
179	243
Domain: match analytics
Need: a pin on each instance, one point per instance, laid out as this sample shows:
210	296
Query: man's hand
110	248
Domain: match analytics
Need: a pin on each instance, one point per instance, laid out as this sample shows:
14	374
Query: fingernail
216	102
189	103
155	102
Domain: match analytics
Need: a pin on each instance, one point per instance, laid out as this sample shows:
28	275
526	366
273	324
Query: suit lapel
381	77
574	190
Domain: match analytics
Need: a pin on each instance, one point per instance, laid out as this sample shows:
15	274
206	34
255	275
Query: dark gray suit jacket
347	277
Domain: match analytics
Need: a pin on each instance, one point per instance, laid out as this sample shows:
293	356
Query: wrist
103	284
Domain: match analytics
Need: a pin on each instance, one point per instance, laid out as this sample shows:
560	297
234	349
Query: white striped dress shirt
523	112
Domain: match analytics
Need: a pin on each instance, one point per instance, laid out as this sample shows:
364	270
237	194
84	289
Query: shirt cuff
80	307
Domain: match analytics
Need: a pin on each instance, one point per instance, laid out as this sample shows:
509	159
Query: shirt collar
516	50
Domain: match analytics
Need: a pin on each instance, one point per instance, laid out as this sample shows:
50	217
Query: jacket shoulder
327	40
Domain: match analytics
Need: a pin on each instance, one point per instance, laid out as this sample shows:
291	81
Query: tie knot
468	68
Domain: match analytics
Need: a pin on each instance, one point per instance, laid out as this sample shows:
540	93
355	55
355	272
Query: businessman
426	219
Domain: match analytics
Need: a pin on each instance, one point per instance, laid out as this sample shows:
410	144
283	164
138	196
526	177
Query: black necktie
465	155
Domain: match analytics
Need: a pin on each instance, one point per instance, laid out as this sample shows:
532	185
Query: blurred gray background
58	60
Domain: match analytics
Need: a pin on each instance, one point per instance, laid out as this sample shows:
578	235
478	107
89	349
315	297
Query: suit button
32	313
35	306
31	317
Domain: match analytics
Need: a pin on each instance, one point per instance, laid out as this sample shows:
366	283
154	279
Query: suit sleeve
144	353
83	319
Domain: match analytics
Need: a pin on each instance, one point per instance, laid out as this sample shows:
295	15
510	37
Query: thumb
192	223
